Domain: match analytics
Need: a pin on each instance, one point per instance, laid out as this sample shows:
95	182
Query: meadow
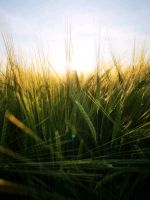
74	136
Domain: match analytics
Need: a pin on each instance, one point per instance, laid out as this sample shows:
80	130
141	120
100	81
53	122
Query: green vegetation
74	136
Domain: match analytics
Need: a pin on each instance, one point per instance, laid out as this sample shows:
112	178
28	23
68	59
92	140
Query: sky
110	23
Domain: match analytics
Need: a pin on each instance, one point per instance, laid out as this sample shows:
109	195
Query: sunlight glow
94	25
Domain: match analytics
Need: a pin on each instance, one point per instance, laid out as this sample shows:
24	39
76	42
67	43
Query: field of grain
74	136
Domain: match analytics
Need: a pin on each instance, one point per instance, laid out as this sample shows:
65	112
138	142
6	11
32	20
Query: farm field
75	100
75	135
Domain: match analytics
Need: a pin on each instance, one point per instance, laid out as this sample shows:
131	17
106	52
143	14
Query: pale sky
118	22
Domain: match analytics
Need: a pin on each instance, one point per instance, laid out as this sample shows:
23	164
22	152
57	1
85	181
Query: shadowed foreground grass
74	136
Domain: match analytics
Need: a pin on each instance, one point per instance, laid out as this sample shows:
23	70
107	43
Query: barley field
74	136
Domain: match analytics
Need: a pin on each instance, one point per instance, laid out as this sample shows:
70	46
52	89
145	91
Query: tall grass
74	137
